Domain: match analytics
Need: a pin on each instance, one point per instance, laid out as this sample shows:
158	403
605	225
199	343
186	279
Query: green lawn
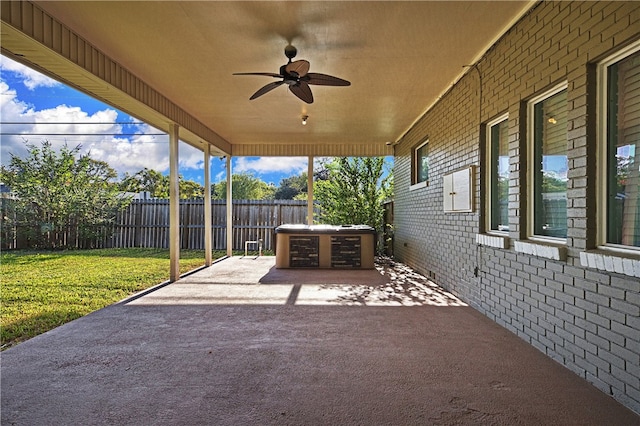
42	290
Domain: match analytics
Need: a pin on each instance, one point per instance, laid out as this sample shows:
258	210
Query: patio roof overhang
172	63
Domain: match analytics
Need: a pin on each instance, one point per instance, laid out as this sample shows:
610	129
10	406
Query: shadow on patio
256	280
402	287
242	343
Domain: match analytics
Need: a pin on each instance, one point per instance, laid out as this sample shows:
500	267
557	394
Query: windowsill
419	185
493	240
542	249
611	261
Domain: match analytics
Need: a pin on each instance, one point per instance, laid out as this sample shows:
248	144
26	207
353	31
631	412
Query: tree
291	188
148	180
62	191
157	185
551	182
354	191
245	187
190	189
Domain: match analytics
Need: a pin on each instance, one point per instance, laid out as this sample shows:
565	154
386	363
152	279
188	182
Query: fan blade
325	80
269	87
268	74
303	91
299	68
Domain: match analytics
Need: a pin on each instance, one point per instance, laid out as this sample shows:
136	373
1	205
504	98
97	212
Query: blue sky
49	110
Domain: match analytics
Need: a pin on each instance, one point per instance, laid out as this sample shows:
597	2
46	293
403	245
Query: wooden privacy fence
145	223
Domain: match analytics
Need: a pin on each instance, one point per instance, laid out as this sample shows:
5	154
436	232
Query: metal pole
207	205
229	207
310	191
174	205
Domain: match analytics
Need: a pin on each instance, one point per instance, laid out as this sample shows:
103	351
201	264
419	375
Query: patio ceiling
399	56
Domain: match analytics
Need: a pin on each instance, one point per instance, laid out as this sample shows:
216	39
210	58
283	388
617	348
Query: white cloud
145	150
68	125
190	157
131	155
31	78
58	125
294	165
102	137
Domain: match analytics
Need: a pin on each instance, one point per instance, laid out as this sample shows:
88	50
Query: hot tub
325	246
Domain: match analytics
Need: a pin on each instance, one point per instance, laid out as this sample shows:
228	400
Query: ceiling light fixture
304	120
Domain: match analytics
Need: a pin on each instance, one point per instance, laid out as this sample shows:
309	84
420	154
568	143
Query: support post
229	209
310	191
207	205
174	205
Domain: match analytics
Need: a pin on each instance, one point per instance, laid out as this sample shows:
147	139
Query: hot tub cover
324	229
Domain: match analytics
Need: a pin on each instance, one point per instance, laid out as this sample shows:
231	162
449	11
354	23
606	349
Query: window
620	134
548	164
420	165
498	175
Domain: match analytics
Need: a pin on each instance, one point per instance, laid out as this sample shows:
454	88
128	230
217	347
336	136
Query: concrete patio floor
243	343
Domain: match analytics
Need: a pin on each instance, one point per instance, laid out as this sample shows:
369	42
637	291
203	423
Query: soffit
399	56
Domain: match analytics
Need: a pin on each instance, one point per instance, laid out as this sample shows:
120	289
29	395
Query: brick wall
585	318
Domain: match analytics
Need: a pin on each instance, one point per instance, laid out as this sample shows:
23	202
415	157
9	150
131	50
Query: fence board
145	223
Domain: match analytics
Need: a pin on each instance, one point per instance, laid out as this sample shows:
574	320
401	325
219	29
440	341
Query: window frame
530	176
415	159
602	101
489	175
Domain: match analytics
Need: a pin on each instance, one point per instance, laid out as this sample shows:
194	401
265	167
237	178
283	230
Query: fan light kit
304	120
297	76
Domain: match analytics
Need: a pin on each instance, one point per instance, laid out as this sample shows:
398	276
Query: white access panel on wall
458	191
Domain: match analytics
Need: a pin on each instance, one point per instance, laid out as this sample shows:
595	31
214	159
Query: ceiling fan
297	76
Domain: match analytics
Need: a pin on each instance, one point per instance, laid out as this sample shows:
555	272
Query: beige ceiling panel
399	56
318	150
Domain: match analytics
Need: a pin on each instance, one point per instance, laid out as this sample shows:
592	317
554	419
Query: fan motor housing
290	51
